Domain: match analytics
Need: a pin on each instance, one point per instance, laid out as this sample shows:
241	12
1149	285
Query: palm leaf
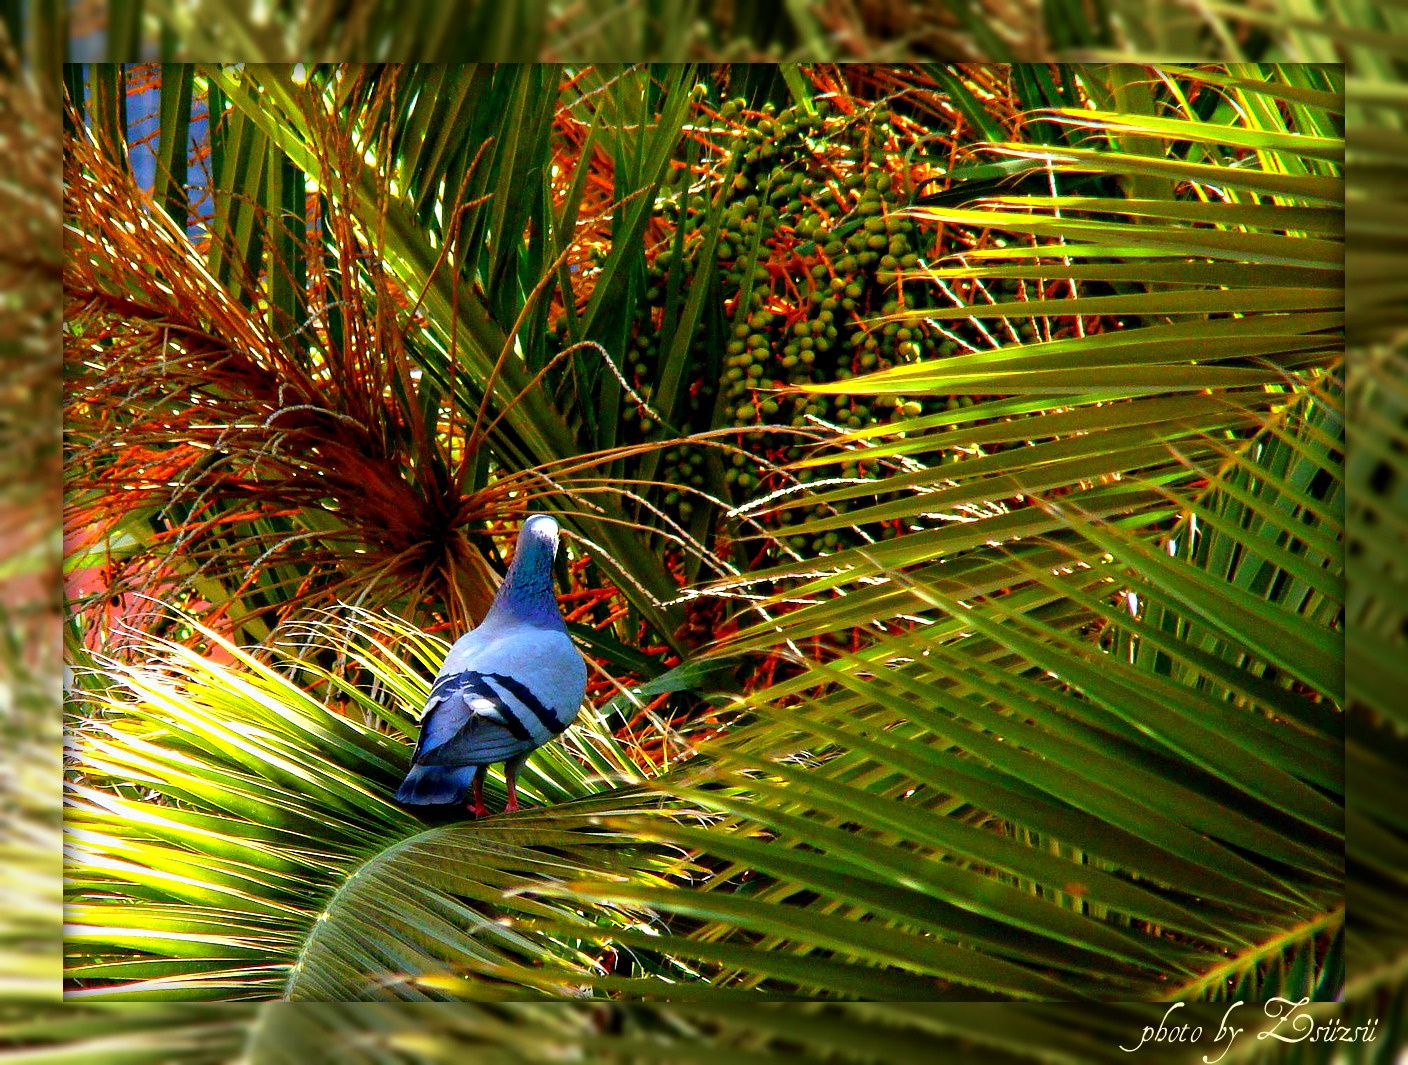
980	708
376	429
1197	349
869	1032
231	836
999	783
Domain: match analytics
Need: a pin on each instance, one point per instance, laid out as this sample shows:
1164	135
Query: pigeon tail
432	785
526	595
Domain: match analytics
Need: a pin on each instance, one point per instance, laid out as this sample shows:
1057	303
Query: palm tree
1030	610
1376	826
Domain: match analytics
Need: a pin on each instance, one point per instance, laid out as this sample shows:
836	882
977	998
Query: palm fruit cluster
811	251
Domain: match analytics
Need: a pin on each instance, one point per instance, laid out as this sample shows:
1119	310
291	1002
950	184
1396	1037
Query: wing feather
499	696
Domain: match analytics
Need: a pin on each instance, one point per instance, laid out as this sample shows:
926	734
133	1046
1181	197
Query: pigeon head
539	529
526	594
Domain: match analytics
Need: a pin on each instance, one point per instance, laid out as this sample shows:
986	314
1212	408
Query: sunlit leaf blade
250	828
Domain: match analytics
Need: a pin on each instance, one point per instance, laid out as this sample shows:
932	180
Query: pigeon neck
526	596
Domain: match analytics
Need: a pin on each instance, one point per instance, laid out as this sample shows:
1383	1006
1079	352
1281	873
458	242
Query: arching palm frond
232	835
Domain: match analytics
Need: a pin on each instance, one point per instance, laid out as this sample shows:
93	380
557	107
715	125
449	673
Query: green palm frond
1376	827
1188	503
999	802
1068	730
346	370
1065	799
230	835
1210	305
278	1033
29	804
1375	517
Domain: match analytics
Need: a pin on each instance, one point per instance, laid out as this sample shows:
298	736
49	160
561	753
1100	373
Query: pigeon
507	687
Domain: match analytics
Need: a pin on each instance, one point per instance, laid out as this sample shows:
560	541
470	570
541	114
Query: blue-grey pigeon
507	686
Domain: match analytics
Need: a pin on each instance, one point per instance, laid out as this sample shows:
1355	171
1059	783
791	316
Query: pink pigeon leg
479	809
511	779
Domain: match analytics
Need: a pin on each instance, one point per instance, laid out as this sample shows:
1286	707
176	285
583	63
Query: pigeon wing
469	723
501	697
